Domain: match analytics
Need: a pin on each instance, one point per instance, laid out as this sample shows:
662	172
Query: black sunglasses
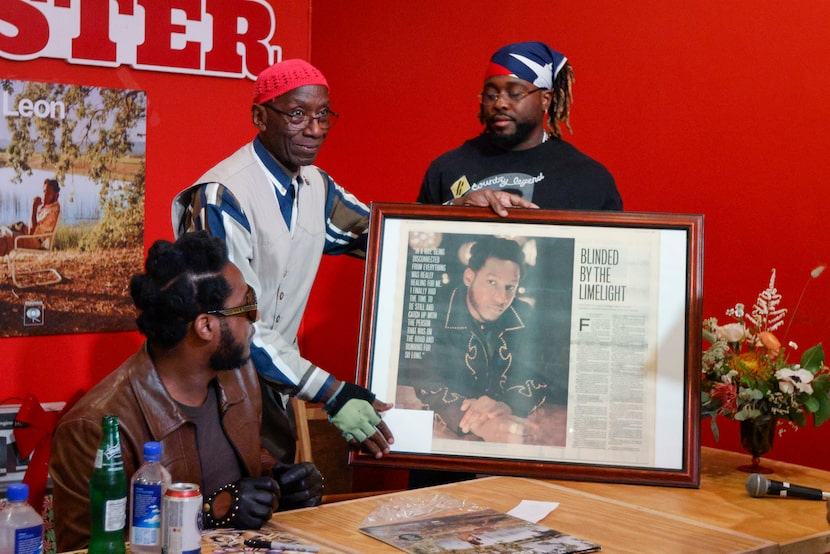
249	309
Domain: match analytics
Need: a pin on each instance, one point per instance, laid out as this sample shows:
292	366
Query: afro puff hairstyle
181	280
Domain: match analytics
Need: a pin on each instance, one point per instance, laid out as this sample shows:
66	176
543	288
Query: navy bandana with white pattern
535	62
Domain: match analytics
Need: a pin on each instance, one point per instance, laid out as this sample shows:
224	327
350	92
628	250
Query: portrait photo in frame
547	344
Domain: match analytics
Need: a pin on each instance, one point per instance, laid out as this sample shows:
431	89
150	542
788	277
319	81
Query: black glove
346	392
246	504
301	485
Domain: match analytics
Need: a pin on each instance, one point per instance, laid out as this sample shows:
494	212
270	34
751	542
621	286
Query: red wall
709	107
703	107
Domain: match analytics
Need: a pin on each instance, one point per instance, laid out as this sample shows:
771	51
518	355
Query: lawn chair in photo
23	261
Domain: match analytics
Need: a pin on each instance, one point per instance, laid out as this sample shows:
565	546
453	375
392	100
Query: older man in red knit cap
279	214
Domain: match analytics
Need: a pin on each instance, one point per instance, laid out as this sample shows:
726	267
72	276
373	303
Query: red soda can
182	517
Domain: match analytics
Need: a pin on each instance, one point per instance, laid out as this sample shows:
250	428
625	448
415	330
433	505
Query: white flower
737	311
791	379
731	332
729	376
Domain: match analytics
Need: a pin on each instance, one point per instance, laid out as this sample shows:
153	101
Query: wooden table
718	517
798	526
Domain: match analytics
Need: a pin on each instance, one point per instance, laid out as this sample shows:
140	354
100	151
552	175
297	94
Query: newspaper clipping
541	344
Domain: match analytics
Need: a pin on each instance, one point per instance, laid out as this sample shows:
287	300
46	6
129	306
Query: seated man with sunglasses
192	388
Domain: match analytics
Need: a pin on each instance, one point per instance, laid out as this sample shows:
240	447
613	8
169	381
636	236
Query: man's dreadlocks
560	106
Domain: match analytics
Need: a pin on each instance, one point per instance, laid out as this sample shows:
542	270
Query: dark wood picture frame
611	308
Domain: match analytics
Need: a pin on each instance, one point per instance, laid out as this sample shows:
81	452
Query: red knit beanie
285	76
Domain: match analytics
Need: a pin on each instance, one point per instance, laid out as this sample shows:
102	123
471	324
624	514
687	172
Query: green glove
356	420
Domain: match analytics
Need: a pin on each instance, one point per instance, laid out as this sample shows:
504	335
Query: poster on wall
72	167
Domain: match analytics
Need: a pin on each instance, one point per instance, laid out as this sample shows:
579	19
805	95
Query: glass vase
756	438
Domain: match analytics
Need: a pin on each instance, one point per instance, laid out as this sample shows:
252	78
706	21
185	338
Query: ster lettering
225	38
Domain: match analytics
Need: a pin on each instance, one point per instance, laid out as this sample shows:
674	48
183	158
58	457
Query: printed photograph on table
235	541
72	165
479	531
547	344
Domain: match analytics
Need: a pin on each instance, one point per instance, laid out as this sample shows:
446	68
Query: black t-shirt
554	175
217	457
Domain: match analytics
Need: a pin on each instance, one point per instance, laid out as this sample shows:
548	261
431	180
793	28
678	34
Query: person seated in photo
45	213
483	376
192	388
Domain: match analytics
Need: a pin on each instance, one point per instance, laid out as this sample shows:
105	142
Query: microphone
757	486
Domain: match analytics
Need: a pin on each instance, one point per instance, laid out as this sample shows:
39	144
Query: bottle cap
152	451
18	492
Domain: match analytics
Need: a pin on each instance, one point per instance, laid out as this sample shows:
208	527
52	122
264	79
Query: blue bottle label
146	511
28	540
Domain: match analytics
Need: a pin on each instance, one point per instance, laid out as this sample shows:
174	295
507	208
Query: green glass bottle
108	493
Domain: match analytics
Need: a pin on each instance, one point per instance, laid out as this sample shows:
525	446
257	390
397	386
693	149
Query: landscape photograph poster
72	169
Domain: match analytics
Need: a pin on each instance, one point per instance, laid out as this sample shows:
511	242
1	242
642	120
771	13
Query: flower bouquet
749	376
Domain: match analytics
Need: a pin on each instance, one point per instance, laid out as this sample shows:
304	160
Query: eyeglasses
490	98
249	309
299	119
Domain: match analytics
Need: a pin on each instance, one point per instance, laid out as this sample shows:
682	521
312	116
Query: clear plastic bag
417	506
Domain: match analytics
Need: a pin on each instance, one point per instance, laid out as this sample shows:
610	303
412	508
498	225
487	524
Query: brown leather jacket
146	412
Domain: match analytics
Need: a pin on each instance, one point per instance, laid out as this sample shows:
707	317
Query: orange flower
770	342
752	364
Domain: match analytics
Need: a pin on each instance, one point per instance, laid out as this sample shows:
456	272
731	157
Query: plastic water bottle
108	493
21	527
147	489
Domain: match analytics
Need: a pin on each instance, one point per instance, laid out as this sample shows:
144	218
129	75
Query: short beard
230	354
508	142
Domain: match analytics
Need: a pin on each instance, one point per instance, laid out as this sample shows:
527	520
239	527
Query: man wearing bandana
526	96
520	159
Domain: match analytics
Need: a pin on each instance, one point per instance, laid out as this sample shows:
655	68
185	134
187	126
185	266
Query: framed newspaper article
549	343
